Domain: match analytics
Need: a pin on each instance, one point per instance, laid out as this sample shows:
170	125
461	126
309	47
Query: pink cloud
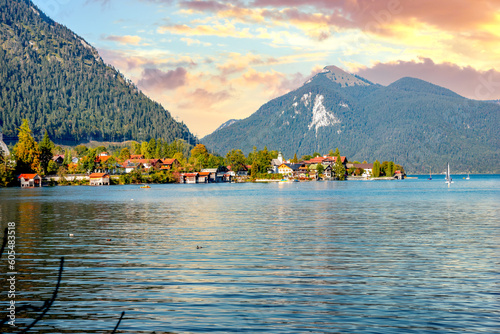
157	80
466	81
202	98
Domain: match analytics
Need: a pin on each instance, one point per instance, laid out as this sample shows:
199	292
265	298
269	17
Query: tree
124	154
331	153
26	150
199	156
52	167
81	150
236	160
316	154
67	157
338	167
87	163
45	147
295	159
320	169
376	169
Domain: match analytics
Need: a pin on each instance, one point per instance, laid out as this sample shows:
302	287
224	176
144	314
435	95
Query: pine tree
45	147
376	169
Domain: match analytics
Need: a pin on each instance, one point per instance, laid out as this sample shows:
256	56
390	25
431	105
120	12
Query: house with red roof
169	164
30	180
99	179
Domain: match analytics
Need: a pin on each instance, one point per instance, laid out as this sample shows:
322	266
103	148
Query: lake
410	256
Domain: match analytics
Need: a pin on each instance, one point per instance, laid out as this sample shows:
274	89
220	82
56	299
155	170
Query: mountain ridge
411	122
58	81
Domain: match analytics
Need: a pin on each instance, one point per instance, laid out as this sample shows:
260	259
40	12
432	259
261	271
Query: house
275	163
367	169
243	171
203	177
189	178
399	175
327	170
169	164
326	160
30	180
288	169
99	179
129	166
132	164
58	159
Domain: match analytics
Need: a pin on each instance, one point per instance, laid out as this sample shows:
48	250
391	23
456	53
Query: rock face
412	122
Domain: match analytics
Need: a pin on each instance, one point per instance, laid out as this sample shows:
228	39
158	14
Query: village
32	164
314	169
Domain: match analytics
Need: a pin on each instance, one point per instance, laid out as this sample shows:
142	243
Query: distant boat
448	178
430	174
468	177
145	186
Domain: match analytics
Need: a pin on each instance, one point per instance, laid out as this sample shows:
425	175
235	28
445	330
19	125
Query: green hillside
411	122
56	80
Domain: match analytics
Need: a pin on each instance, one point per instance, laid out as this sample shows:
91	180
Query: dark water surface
407	256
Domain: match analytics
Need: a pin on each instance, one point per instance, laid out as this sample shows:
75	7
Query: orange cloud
226	29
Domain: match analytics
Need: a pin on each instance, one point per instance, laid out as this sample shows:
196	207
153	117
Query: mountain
56	80
230	122
412	122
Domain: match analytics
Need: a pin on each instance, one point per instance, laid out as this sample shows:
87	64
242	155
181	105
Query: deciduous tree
26	151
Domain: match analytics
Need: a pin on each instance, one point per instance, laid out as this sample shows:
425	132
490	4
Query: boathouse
99	179
30	180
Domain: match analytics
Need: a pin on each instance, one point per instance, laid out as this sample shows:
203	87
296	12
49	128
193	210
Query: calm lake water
410	256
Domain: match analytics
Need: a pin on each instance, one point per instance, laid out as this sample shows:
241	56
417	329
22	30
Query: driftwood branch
48	303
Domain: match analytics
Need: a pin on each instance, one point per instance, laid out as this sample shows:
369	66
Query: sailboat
430	174
468	176
448	178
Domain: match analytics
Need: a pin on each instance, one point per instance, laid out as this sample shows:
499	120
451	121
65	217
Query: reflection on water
363	257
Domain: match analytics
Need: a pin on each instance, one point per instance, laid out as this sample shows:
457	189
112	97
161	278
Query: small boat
448	178
468	177
430	174
145	186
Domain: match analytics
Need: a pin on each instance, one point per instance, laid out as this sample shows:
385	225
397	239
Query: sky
210	61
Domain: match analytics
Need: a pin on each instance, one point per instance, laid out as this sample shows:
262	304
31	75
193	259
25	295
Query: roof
102	158
27	176
293	167
276	162
136	156
168	161
190	174
325	158
98	175
364	166
140	161
204	174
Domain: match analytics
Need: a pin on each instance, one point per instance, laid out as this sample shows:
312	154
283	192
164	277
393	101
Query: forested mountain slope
57	81
411	122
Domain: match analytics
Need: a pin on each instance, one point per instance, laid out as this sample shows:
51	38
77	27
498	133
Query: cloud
225	29
466	81
190	41
157	80
202	98
134	40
